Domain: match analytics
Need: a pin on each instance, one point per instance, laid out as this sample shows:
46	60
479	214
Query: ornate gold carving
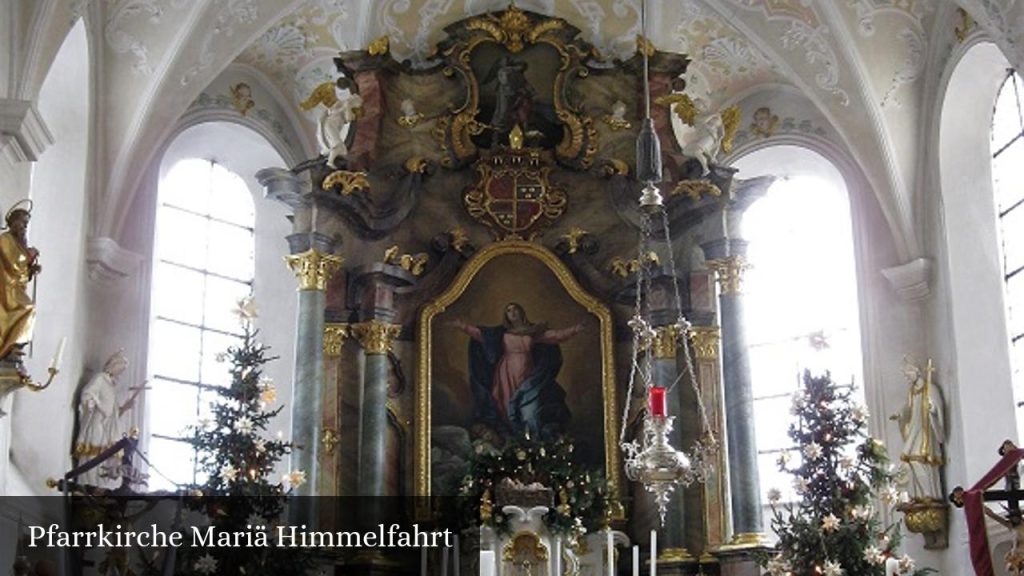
525	548
963	26
515	138
666	341
924	515
614	167
376	336
486	507
644	45
706	341
623	268
416	165
334	338
675	555
730	273
613	466
681	104
322	94
348	181
696	189
616	123
459	239
409	121
379	47
513	27
573	238
411	263
329	440
730	124
314	268
513	196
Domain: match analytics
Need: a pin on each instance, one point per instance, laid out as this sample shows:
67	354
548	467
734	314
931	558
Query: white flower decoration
859	414
862	512
777	566
830	523
906	564
206	564
774	495
813	450
229	472
873	555
799	400
294	479
846	462
800	484
246	310
260	444
833	568
244	424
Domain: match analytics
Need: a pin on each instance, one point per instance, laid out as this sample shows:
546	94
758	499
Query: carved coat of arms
513	195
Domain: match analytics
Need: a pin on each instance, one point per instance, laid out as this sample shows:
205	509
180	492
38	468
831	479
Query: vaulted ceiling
869	68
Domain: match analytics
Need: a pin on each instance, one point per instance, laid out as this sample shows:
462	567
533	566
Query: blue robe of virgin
538	404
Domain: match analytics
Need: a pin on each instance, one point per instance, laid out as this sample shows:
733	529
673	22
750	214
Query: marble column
727	260
375	291
375	336
313	262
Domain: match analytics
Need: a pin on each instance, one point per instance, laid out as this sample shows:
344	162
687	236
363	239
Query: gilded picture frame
518	261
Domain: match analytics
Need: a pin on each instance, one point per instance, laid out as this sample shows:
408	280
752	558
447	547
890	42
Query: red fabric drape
974	508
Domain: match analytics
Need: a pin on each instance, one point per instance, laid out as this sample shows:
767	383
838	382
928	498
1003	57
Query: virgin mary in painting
512	374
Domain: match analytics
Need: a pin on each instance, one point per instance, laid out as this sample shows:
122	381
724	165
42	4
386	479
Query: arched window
203	264
801	304
1008	185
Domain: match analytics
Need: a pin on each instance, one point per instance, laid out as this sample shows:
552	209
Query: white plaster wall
41	422
967	317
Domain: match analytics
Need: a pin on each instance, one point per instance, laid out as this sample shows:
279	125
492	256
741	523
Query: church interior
719	287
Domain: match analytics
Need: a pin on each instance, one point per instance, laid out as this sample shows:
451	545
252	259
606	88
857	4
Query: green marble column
313	265
375	336
744	483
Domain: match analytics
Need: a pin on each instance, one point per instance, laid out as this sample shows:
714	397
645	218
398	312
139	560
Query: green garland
580	498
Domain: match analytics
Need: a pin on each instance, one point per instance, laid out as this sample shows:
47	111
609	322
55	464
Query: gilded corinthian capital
705	341
314	268
730	273
376	336
334	338
666	340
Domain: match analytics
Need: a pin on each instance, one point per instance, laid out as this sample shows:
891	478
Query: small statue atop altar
923	427
19	265
99	421
339	111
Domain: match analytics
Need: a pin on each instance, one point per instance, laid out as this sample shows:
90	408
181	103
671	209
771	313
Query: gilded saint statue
99	421
19	265
923	427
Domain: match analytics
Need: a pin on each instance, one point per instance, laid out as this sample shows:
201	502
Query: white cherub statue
705	141
340	109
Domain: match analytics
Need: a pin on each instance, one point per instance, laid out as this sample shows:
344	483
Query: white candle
557	563
423	561
654	552
636	560
59	356
455	556
487	566
892	566
444	561
611	554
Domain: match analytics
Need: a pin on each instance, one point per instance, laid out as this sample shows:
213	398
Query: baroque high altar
466	250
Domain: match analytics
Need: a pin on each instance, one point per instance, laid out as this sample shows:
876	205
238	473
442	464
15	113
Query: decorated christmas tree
241	493
834	528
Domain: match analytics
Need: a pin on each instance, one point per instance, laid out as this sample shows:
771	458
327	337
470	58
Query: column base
746	541
678	562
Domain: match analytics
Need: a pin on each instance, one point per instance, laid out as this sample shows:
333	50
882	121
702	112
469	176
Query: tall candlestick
636	560
58	357
455	555
444	561
611	554
654	552
423	561
658	408
487	563
557	564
